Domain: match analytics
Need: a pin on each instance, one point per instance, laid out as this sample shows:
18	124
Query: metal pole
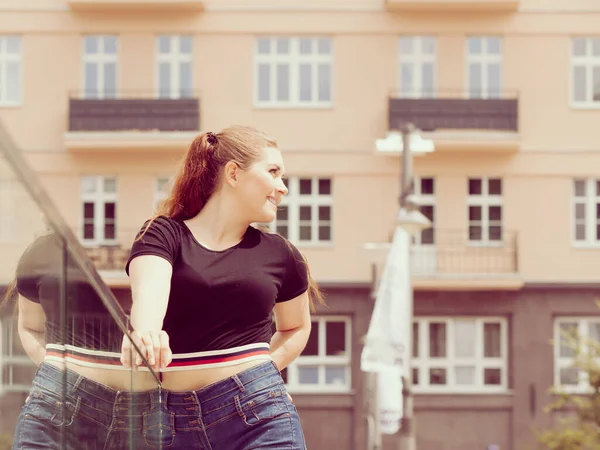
407	440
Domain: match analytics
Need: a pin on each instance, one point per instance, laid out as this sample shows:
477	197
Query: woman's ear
231	173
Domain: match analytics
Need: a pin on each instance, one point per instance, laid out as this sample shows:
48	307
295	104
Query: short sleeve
161	238
295	279
40	258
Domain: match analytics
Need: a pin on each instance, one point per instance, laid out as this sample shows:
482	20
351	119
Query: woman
205	284
68	333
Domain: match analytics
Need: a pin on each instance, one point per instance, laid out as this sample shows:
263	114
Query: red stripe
218	360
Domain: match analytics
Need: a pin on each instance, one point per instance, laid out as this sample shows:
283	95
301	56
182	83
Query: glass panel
464	375
579	188
164	80
308	375
475	80
464	338
305	186
579	83
494	45
335	340
428	79
110	45
324	46
305	82
428	45
595	46
474	45
596	84
305	233
324	82
312	346
475	186
325	213
306	45
579	45
580	232
427	186
475	233
408	83
415	340
437	340
495	186
567	334
283	46
324	186
336	376
164	44
283	230
495	233
580	211
495	212
492	345
110	80
406	44
185	44
264	46
475	213
305	212
569	377
70	317
91	79
90	45
283	82
13	81
492	377
324	233
415	376
264	82
437	376
185	79
282	213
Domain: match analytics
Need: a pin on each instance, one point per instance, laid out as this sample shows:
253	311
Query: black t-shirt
222	299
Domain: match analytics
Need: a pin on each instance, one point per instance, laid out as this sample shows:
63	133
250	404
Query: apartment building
103	98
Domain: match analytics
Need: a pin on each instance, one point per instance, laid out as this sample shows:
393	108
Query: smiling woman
205	285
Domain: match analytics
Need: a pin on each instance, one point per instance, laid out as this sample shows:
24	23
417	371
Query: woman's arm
32	329
150	287
292	319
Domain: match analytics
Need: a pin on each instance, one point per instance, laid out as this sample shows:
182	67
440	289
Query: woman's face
261	187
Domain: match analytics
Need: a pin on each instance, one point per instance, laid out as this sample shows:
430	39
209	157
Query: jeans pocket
49	408
159	428
261	406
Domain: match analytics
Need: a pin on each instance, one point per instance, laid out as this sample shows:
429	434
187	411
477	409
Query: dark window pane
282	213
335	333
415	340
324	186
305	233
109	231
88	211
312	346
495	186
305	186
495	212
88	231
492	377
283	230
325	233
305	212
475	213
109	211
324	213
437	340
491	337
437	376
427	186
475	233
579	188
474	186
580	232
427	236
415	376
495	233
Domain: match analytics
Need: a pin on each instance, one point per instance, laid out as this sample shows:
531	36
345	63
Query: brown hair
200	172
11	294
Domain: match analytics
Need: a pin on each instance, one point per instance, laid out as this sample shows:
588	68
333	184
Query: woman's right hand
154	346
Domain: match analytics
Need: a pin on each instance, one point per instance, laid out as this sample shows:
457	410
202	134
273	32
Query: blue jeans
250	410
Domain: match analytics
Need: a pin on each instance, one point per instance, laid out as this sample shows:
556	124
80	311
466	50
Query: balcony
438	6
452	261
458	123
131	121
136	5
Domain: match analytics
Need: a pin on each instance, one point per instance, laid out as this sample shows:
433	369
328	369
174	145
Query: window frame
485	200
99	198
5	59
294	200
293	58
484	58
175	60
322	361
417	58
449	362
563	362
591	200
101	58
589	61
160	195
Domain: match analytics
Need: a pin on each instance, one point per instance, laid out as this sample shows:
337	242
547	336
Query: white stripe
222	352
220	364
85	351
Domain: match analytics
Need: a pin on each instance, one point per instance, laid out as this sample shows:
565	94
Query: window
10	71
585	63
8	217
174	66
161	190
425	191
304	215
417	66
293	72
586	211
99	198
485	210
568	331
325	364
100	65
460	354
484	67
16	369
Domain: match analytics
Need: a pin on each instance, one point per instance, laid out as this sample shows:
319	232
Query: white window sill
314	245
11	105
580	245
280	106
461	391
319	390
585	106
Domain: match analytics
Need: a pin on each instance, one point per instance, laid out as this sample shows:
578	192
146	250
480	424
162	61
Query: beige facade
104	96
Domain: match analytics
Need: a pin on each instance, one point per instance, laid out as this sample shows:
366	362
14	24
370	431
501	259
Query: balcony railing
452	112
134	112
452	253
